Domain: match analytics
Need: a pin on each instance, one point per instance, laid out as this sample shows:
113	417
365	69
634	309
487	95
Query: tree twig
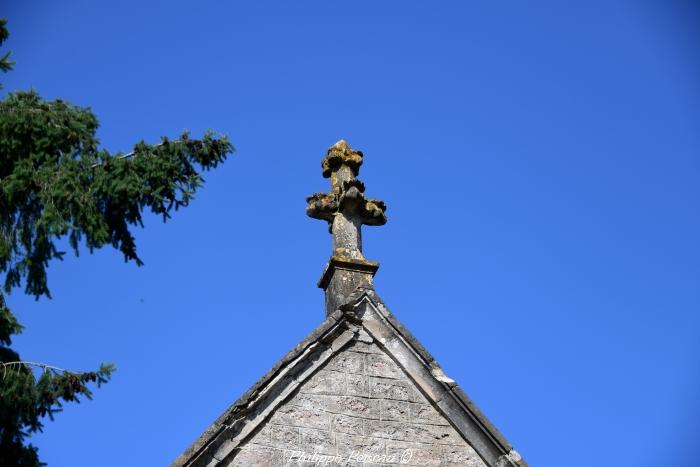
43	366
130	154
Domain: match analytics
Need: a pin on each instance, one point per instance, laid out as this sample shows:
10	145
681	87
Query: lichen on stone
322	206
374	212
347	197
341	154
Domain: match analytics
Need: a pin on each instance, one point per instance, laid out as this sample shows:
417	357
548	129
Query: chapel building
359	390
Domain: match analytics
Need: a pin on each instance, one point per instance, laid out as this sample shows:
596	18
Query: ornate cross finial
346	209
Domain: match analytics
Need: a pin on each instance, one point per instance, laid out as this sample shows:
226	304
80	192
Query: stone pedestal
342	277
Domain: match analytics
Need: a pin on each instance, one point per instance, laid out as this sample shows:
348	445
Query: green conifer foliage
56	182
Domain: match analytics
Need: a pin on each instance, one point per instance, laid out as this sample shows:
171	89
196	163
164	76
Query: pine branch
20	363
133	153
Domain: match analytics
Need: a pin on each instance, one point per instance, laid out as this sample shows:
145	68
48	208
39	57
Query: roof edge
224	420
509	455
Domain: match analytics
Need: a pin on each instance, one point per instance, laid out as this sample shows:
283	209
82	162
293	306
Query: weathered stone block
464	456
307	400
259	457
347	424
325	382
384	388
382	365
419	397
349	444
322	442
354	406
284	437
416	433
348	362
414	454
393	410
426	413
358	385
306	417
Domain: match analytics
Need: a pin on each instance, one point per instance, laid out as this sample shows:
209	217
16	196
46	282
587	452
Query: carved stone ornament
342	165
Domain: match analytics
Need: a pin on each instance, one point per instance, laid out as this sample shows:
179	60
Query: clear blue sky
541	166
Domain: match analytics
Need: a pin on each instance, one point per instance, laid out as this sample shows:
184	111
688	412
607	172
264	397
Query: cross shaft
346	210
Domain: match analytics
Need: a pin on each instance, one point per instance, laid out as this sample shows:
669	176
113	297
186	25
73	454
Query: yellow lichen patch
338	155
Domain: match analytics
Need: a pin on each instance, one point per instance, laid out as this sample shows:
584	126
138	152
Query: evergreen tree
56	182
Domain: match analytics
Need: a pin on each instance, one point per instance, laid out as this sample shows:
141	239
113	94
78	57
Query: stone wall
358	409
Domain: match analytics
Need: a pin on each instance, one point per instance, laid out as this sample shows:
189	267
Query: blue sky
541	166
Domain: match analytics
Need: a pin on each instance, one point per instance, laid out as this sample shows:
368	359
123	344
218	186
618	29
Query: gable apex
365	321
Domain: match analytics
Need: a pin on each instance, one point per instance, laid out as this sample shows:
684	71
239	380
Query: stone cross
346	209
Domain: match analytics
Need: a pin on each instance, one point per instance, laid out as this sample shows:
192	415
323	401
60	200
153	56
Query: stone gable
359	408
359	389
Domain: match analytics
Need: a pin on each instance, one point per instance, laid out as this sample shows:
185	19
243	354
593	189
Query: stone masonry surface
359	409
